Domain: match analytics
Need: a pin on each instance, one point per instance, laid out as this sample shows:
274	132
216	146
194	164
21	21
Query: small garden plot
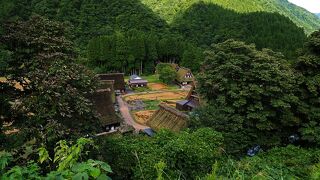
176	95
157	86
151	104
142	117
139	105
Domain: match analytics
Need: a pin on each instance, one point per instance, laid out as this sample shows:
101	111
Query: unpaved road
124	110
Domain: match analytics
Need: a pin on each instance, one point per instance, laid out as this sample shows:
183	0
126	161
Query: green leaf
43	155
94	172
80	176
106	167
4	159
80	167
103	177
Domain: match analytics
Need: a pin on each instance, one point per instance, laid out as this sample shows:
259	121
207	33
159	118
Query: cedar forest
257	66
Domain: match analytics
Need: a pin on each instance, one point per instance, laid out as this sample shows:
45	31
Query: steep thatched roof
182	72
168	118
102	100
108	84
118	79
192	93
174	66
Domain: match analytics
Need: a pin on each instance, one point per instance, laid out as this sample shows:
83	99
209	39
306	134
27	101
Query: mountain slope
89	18
169	9
207	23
201	23
318	14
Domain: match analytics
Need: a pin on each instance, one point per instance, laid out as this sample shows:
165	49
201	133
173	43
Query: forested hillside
88	18
169	9
213	24
318	14
167	27
236	84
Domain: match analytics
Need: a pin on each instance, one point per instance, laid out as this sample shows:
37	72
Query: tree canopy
250	95
55	90
308	65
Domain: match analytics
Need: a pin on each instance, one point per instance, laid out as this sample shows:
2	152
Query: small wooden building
118	78
167	117
136	81
102	100
191	102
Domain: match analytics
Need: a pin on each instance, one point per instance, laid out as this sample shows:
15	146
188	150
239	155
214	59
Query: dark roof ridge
173	110
110	74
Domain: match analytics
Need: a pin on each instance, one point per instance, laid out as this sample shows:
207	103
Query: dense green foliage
308	64
136	52
166	72
91	19
66	164
213	24
279	163
250	95
55	89
192	155
170	9
257	97
186	155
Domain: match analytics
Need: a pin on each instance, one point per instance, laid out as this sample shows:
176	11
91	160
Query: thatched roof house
108	84
118	78
167	117
102	100
192	100
184	76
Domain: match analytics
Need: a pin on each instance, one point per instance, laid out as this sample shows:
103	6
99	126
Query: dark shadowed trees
308	65
250	95
55	90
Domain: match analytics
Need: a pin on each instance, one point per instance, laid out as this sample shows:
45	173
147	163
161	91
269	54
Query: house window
188	75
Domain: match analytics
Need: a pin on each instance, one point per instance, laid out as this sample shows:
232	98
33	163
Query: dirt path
127	116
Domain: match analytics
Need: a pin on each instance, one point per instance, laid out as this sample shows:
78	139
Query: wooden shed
167	117
136	81
118	78
102	100
191	102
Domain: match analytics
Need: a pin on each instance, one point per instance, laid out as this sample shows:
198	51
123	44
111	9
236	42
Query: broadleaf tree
250	95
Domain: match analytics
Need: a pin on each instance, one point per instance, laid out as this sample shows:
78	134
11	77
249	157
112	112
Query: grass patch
140	89
173	87
152	78
151	104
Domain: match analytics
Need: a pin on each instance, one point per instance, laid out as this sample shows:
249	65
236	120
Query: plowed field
158	96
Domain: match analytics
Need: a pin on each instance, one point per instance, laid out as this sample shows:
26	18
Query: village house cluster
113	85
